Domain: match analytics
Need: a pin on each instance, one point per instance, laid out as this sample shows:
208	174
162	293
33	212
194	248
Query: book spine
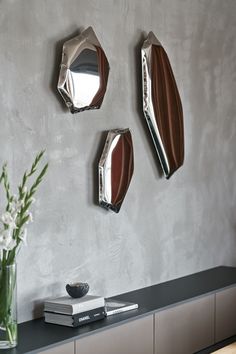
76	320
120	310
88	317
114	312
90	312
87	306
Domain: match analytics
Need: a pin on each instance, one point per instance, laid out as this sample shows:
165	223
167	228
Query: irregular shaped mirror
83	72
162	105
115	169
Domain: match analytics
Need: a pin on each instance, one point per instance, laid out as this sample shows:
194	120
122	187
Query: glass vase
8	315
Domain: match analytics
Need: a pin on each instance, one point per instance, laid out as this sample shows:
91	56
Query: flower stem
9	333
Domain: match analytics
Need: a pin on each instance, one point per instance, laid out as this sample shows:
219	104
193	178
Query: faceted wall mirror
162	105
83	72
116	167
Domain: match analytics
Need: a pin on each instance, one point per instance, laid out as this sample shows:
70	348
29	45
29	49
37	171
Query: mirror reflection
162	105
83	73
115	169
84	78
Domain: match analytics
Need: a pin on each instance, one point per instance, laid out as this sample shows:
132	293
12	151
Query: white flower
14	215
30	217
6	241
6	218
32	200
11	245
12	206
14	198
19	204
16	204
24	190
23	236
2	242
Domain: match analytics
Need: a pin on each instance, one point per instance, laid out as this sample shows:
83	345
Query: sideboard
180	316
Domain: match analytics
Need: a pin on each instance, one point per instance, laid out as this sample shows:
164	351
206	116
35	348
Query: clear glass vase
8	314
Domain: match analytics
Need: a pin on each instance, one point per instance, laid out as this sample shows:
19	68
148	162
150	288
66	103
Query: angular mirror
83	72
162	105
115	169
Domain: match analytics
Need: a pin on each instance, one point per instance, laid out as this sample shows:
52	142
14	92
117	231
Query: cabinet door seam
154	334
214	318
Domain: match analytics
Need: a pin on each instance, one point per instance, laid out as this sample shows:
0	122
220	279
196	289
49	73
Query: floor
229	342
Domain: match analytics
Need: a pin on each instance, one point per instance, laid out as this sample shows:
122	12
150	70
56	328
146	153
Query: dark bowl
77	290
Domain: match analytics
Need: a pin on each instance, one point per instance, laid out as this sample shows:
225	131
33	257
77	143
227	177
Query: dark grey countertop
35	336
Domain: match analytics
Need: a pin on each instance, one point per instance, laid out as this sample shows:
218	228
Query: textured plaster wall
165	229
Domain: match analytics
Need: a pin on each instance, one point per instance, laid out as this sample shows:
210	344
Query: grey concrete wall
165	229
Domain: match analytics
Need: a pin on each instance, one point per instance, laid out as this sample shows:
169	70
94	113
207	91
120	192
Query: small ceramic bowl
77	290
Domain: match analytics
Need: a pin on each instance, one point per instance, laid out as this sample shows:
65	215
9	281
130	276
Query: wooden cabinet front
134	337
68	348
185	328
225	313
182	329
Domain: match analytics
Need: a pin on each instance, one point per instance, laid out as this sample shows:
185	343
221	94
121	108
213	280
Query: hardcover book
70	306
75	320
113	306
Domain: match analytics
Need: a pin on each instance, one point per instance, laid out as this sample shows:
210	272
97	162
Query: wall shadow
38	309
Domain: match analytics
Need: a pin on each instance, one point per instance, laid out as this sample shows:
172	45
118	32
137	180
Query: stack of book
67	311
